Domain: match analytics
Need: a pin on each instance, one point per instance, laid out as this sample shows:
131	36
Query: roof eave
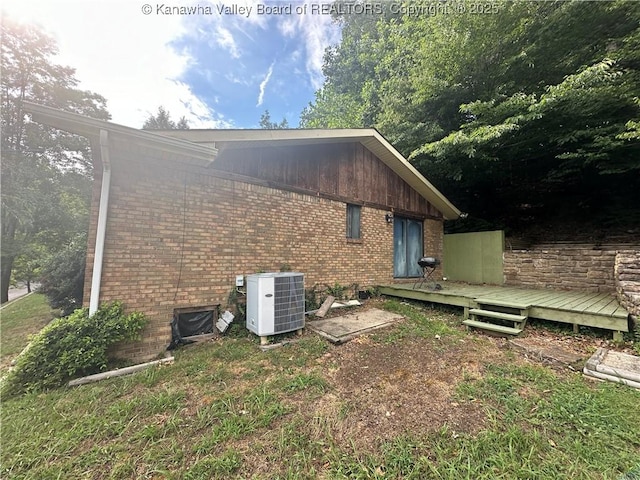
417	181
199	146
91	127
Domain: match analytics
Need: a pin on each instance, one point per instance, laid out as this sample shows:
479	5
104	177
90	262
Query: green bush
72	346
311	299
336	290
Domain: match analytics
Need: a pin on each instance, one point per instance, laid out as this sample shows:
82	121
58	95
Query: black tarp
188	325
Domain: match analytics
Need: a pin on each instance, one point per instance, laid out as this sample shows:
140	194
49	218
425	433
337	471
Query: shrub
311	300
336	290
72	346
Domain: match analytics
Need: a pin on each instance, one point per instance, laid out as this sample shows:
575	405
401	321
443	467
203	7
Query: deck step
492	327
502	303
509	317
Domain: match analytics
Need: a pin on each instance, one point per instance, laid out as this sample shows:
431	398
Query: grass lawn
20	319
422	399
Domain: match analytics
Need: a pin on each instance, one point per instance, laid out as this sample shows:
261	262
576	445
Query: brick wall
177	238
562	266
433	238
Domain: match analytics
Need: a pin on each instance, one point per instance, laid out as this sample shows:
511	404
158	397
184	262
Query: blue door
407	247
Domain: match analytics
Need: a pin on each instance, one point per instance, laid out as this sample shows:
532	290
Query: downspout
101	231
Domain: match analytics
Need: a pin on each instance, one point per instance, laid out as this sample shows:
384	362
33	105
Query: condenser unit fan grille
289	303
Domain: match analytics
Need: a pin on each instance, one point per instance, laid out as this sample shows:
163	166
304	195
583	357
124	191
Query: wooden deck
600	310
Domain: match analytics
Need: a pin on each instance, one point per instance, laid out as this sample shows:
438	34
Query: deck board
591	306
569	300
560	297
592	309
538	297
610	307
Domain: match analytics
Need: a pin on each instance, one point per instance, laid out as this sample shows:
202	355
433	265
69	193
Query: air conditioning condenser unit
275	303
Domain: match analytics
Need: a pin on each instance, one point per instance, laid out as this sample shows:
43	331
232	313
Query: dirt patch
382	390
546	351
378	388
385	390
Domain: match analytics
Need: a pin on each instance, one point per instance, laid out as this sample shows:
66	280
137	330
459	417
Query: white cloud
296	55
263	84
318	36
317	32
225	39
122	54
230	77
287	26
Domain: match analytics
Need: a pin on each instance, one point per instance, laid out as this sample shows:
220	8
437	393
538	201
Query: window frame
353	215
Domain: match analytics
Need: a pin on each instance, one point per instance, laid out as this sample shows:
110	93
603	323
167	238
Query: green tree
162	121
555	137
62	275
267	124
350	96
27	266
44	170
525	112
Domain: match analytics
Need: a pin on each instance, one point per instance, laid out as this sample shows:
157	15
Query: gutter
180	150
101	231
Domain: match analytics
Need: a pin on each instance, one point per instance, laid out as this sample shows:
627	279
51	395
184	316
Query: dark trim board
600	310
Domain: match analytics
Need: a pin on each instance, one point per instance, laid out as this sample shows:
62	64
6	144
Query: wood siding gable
346	172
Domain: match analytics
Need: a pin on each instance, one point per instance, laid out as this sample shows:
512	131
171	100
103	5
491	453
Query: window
353	221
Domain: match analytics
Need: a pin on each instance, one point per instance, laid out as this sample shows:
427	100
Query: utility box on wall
275	302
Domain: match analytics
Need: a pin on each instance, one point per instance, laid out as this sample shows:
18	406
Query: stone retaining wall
627	280
566	267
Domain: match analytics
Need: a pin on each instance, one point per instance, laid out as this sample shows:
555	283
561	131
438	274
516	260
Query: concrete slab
614	366
346	327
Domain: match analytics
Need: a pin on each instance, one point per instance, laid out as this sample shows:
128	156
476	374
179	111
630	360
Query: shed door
407	247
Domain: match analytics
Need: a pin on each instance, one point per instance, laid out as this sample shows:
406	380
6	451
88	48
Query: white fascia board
91	127
414	178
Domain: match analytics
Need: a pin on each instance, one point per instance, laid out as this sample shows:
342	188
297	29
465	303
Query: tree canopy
267	124
46	173
162	121
524	113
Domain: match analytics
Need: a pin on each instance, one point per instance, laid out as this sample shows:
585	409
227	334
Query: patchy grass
310	410
20	319
424	322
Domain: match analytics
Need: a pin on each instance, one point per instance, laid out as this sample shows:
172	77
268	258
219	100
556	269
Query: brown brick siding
433	239
177	238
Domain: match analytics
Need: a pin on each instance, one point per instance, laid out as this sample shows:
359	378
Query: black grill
428	262
428	265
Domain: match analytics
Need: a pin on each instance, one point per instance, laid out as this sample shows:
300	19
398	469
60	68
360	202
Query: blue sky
246	67
218	70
